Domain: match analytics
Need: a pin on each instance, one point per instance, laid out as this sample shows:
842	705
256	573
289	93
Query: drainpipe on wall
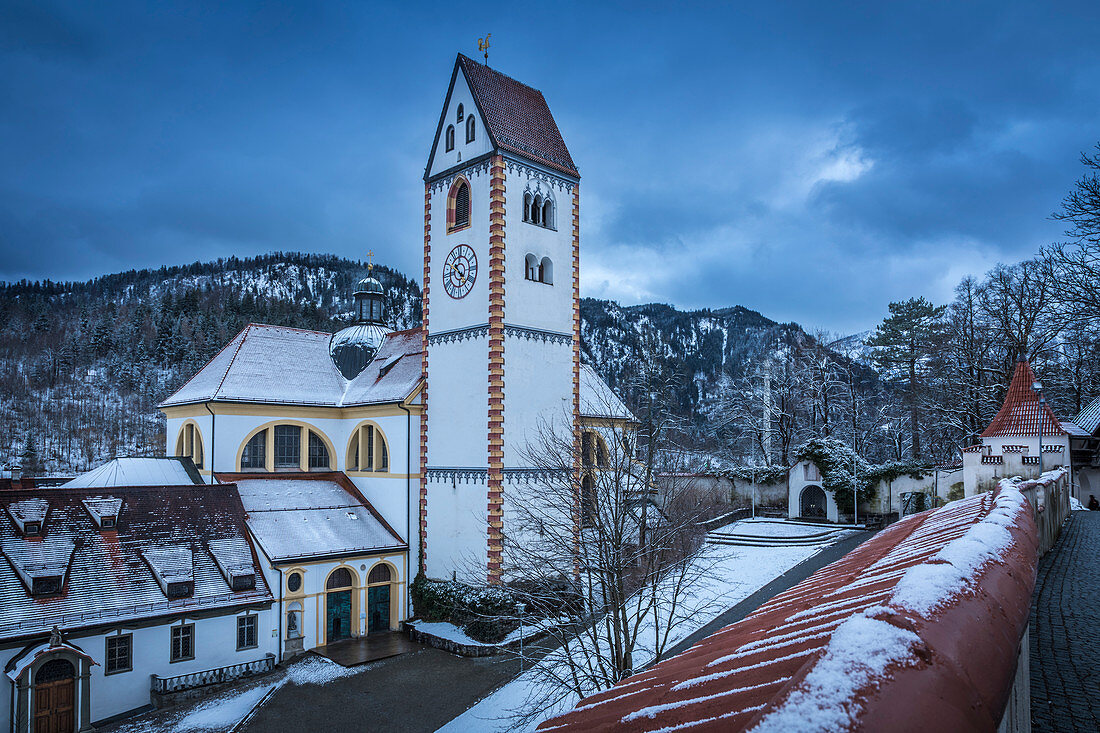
408	507
212	439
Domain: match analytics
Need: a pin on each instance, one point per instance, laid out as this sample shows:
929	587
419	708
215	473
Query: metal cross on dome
370	261
483	45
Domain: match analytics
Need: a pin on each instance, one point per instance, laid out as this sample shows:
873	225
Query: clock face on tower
460	271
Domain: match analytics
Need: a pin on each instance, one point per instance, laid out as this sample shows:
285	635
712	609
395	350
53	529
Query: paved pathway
1065	631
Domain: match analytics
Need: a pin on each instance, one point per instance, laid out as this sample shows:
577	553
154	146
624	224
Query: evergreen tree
903	343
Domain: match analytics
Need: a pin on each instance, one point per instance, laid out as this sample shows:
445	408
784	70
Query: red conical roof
1022	415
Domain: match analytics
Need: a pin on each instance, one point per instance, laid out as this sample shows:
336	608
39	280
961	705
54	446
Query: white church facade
426	425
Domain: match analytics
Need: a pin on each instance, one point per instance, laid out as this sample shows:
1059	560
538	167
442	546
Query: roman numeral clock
460	271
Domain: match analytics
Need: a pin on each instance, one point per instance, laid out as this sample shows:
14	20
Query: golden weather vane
483	45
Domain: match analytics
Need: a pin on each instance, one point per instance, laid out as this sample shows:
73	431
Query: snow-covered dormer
29	515
173	569
104	511
42	565
234	559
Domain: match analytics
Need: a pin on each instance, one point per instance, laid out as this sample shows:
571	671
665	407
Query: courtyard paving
1065	623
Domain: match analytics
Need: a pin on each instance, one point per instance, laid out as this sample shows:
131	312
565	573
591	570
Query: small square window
246	631
183	643
108	523
120	654
31	528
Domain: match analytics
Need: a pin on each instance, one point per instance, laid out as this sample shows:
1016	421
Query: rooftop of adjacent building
1024	414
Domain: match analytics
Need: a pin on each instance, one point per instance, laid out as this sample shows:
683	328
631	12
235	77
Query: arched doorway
338	590
55	697
378	598
811	503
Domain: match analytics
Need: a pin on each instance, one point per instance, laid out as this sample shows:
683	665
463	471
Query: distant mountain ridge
83	364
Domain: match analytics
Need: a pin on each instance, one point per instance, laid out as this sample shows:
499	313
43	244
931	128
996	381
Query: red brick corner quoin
920	625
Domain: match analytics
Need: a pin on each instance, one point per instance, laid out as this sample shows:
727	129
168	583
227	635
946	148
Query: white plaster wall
446	313
538	390
171	436
796	481
463	151
889	493
458	403
528	303
6	693
457	528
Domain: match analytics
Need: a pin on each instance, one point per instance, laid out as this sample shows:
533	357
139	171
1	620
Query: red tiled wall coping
921	623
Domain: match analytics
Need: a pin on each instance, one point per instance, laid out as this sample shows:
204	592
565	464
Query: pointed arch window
450	138
470	130
458	206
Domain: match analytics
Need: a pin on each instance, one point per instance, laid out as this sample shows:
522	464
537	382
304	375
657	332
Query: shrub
491	630
458	603
956	491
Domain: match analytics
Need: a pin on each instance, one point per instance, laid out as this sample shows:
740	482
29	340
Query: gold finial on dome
370	261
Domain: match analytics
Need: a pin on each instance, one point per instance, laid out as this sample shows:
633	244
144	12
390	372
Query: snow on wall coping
923	621
135	471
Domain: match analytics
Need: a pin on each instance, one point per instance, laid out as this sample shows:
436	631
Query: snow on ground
1075	505
221	712
773	528
451	632
736	573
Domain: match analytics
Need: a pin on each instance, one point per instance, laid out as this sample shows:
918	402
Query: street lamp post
855	491
1037	387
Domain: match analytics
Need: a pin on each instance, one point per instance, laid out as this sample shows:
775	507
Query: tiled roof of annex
110	575
303	516
518	118
1022	415
853	644
1088	419
279	365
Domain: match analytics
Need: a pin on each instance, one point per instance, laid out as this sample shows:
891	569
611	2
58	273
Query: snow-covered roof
20	662
1088	419
138	471
926	616
278	365
298	518
107	575
598	400
1023	415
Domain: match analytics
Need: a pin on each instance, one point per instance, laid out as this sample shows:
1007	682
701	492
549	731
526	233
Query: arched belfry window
470	132
458	205
531	268
546	271
548	214
528	199
536	210
450	138
539	209
460	113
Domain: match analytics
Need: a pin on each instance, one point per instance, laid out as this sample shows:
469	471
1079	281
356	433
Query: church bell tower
501	309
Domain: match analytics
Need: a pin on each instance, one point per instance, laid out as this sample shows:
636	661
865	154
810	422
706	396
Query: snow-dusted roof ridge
138	471
281	365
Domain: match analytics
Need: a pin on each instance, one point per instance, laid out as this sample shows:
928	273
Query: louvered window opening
462	205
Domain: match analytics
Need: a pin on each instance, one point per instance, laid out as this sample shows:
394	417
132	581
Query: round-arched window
294	582
53	670
340	578
380	573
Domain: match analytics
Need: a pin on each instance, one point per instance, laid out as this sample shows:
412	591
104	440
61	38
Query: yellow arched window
286	447
189	443
593	450
368	450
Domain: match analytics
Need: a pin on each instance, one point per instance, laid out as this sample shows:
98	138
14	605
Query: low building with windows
338	570
1084	443
1023	439
113	595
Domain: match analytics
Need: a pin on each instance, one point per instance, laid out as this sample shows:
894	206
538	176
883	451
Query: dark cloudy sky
810	160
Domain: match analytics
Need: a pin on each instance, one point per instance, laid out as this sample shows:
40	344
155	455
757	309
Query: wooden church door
54	697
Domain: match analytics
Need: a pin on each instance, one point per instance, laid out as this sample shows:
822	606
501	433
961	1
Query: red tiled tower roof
517	117
1022	415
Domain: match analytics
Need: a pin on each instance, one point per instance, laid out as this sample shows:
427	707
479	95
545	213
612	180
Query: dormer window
29	515
31	529
104	511
450	138
46	585
173	569
233	557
